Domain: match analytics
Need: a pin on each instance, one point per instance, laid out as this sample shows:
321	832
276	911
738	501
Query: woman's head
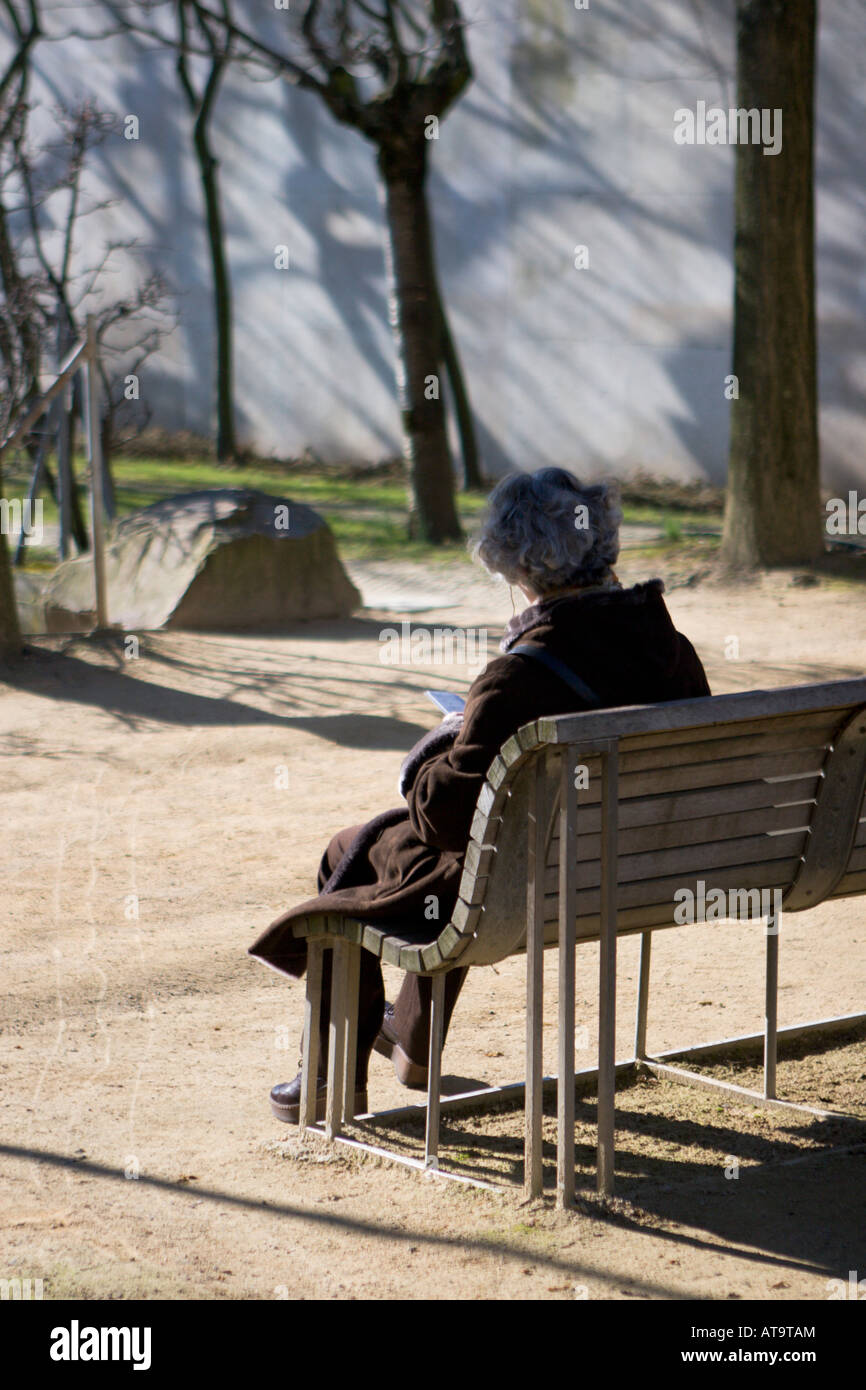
546	531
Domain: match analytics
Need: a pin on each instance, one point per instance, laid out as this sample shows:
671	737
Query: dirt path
159	811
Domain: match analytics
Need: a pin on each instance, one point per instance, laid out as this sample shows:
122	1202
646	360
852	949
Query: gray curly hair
549	531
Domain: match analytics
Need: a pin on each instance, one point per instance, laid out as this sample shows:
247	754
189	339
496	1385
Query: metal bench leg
434	1074
310	1044
607	977
353	975
567	915
336	1040
646	941
771	1006
533	1172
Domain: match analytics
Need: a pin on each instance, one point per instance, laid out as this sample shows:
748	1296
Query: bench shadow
789	1206
456	1085
809	1212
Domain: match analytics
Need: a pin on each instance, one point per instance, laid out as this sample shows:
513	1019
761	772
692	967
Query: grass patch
367	515
367	510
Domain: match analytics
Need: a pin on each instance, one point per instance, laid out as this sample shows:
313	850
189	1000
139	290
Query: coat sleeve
692	673
437	741
443	796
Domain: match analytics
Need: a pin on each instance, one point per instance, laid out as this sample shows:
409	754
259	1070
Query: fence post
94	456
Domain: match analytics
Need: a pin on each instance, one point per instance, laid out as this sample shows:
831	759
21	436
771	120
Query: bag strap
559	668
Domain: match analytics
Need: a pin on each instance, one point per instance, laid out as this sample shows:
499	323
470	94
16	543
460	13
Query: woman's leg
337	847
411	1021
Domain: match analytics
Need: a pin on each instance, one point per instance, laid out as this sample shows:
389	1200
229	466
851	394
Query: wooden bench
753	793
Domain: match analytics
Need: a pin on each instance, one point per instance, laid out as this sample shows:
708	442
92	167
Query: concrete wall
565	138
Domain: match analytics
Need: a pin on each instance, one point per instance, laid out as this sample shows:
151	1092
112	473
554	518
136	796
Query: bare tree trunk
70	408
462	409
227	447
201	106
226	439
79	529
109	496
417	324
10	631
14	288
773	511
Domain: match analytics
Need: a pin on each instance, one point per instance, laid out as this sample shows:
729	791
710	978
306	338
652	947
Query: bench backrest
748	793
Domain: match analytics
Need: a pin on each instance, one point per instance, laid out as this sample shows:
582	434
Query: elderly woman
590	643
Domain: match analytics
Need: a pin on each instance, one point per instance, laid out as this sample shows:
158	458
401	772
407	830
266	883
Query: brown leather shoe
286	1100
387	1044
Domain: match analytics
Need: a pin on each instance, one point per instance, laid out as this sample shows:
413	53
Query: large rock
223	559
29	601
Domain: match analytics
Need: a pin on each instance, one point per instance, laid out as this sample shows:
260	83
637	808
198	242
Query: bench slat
842	696
778	873
411	958
497	772
689	831
491	800
715	750
824	722
630	919
721	773
452	942
478	858
465	917
431	956
748	849
483	828
682	806
684	862
685	806
372	940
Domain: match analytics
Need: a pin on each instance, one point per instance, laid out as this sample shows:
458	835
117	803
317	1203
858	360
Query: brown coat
620	641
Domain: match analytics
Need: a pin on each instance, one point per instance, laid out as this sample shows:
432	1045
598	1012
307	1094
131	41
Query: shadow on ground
116	690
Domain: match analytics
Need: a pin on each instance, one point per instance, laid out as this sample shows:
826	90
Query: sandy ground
159	811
